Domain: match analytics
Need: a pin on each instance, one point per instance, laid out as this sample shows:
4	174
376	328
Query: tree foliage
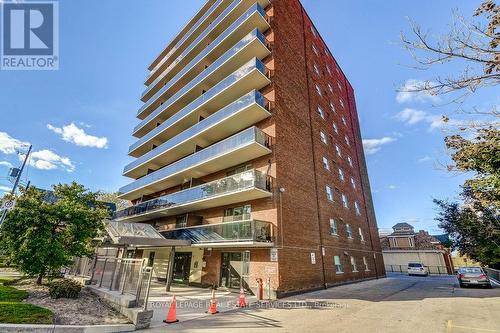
43	232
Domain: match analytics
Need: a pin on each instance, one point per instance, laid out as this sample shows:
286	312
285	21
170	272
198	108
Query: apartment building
248	146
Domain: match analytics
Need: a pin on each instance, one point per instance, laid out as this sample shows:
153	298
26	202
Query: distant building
404	245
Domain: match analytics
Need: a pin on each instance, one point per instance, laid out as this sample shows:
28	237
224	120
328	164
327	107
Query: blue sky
80	118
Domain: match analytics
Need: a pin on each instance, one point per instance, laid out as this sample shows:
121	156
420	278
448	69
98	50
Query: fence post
113	275
122	289
103	270
439	270
93	269
139	281
146	298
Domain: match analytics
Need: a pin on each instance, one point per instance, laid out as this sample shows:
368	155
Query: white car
417	268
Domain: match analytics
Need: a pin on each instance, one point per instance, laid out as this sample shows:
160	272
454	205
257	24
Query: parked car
473	276
417	268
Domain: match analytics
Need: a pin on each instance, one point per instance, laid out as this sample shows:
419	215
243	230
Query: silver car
473	276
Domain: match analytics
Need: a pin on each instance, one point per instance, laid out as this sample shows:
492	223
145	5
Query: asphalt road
397	303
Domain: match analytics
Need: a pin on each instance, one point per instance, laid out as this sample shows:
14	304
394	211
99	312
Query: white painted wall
403	258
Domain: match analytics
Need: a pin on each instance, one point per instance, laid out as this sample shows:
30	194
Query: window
344	121
348	230
314	31
349	160
330	88
326	164
338	85
316	69
344	201
356	207
361	236
323	137
329	193
180	222
353	264
241	213
365	262
353	183
346	139
411	242
338	265
333	227
341	103
337	149
329	69
318	90
321	112
315	50
335	128
341	174
332	107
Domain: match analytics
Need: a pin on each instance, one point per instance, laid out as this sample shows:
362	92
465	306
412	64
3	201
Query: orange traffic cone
243	302
212	309
172	313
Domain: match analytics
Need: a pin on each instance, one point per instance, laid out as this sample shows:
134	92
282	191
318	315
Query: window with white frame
356	208
337	149
316	69
353	264
323	137
326	163
349	161
332	107
314	31
361	236
318	90
353	183
344	121
333	227
348	230
344	201
329	193
335	128
329	70
338	85
411	241
346	139
321	112
338	264
365	262
341	103
341	174
315	50
330	88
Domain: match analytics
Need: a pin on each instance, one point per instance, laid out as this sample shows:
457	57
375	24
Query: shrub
65	288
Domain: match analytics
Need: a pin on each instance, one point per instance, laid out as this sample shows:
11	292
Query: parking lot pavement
398	303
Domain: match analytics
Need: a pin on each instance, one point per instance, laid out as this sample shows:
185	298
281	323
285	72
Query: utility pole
16	183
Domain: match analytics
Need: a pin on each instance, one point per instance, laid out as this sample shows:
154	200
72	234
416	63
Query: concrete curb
22	328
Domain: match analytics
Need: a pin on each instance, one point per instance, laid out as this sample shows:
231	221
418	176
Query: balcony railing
217	68
228	232
147	123
215	154
247	180
164	151
221	43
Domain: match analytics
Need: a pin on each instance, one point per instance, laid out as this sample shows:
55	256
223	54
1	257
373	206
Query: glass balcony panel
241	231
198	164
235	183
145	125
210	130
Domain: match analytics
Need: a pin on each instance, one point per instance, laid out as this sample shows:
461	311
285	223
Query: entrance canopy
138	234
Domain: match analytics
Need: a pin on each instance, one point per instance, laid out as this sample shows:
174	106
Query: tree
113	198
45	230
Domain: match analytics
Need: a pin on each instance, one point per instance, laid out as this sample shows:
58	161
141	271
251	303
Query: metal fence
123	275
433	270
493	273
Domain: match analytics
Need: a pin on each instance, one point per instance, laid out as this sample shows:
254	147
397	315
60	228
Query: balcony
241	233
245	186
252	46
198	23
250	21
233	118
250	76
239	148
236	9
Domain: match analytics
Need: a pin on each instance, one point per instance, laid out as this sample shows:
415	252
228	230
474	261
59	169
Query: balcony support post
170	268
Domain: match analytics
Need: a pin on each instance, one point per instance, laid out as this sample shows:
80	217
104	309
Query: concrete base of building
22	328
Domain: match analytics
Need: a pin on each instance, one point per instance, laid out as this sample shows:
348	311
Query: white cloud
74	134
48	160
5	189
372	146
411	117
409	92
9	145
424	159
392	187
6	164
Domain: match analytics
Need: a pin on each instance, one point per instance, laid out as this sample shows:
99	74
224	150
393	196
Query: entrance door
182	267
234	266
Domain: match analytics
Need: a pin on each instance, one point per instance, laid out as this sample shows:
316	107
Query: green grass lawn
13	311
